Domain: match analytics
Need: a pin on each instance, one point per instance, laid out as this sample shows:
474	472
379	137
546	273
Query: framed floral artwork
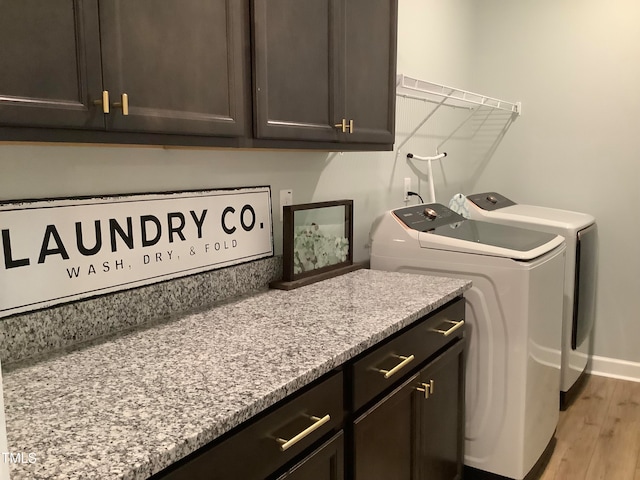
317	242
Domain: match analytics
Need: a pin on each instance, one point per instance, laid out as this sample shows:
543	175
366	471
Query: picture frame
317	243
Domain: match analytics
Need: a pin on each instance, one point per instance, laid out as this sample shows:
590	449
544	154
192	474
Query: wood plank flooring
598	436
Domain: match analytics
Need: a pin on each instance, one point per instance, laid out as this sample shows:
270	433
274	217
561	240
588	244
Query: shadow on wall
489	127
469	136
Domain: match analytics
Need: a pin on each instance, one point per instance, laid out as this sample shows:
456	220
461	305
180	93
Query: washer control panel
427	217
490	200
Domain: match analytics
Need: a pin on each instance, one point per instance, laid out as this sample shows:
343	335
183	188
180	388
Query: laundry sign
55	251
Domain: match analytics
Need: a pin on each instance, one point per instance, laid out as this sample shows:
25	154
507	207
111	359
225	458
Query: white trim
614	368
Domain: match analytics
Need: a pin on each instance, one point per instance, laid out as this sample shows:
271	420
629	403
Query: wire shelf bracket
455	95
443	95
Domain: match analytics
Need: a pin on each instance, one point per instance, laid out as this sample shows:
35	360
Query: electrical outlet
286	198
407	188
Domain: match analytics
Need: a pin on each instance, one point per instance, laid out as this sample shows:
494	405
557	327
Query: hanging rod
431	88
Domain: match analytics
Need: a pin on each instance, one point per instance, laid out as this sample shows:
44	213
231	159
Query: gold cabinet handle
427	388
346	127
124	104
342	125
398	367
317	423
446	333
104	102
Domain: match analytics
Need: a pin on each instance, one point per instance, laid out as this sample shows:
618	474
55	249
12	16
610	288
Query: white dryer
580	232
513	313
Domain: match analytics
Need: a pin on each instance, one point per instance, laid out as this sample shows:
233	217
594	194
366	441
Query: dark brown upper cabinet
50	63
125	66
324	70
179	63
304	74
370	69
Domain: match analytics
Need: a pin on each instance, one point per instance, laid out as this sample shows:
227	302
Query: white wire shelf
458	97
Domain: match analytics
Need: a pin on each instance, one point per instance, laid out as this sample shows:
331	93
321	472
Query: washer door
486	238
585	286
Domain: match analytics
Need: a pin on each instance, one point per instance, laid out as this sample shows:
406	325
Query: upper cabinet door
296	72
50	63
324	70
180	63
370	69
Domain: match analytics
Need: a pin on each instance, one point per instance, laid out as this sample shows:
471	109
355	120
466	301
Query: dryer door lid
552	217
484	238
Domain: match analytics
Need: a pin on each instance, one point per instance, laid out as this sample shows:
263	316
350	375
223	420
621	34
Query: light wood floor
598	436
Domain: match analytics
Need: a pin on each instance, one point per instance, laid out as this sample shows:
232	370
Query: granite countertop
129	407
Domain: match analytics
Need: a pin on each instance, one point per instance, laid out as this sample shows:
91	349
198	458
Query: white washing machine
580	232
513	313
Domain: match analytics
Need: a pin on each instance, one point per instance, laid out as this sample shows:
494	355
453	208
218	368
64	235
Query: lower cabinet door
416	432
385	436
441	416
324	463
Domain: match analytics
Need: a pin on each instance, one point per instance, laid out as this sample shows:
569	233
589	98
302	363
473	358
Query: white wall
574	65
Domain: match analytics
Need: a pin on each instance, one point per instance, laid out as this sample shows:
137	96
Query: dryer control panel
490	200
427	217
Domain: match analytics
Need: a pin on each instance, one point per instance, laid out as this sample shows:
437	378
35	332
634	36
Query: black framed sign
55	251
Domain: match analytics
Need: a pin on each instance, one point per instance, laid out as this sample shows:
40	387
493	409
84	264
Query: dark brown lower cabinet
324	463
417	430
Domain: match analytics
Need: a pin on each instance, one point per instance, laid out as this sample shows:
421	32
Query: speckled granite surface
130	407
39	332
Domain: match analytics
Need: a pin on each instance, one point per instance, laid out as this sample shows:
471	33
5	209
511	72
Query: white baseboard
614	368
